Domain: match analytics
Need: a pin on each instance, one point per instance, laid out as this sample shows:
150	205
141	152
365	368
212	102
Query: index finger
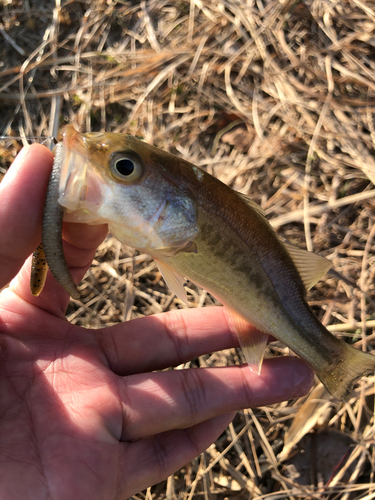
22	195
167	339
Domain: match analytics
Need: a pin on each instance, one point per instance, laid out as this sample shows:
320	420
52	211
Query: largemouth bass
196	227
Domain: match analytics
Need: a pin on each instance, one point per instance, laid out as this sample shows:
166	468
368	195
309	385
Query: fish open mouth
73	180
79	189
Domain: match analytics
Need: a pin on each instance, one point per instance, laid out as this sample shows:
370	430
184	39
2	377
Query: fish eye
126	167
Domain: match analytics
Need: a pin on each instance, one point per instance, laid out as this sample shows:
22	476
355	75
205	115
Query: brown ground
277	99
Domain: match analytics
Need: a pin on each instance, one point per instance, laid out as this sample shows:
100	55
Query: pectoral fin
311	266
252	341
173	280
178	247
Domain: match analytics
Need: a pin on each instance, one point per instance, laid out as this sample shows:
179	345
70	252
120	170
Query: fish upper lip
73	177
73	141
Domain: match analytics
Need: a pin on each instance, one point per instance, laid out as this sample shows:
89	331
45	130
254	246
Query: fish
196	227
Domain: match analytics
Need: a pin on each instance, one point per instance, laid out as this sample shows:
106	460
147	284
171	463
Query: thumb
22	194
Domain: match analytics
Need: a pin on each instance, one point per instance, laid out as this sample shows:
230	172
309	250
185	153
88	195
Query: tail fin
343	374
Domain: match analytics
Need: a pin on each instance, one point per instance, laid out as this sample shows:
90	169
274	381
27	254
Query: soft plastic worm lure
51	249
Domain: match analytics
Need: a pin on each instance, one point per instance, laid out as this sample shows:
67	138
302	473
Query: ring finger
182	398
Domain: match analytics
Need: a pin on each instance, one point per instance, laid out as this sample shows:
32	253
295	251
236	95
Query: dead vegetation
277	99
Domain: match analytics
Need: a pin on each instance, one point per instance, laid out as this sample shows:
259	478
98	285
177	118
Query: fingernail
23	153
20	158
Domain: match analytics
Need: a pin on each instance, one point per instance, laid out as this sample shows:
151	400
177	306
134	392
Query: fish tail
342	374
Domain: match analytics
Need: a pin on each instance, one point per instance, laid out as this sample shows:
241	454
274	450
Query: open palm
84	413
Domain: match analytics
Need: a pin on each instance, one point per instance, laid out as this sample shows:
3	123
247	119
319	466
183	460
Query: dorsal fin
253	205
311	266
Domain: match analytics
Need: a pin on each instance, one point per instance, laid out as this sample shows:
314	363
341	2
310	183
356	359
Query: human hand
83	414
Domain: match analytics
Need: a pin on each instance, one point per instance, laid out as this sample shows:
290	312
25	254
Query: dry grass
277	99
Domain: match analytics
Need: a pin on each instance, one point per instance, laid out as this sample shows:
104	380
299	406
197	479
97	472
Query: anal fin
252	341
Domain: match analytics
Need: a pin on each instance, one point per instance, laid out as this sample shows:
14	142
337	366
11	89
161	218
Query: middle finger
167	339
158	402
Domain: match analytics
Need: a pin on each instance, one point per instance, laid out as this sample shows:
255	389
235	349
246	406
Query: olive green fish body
197	227
260	285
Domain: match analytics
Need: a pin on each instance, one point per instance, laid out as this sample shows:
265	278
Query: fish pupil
125	166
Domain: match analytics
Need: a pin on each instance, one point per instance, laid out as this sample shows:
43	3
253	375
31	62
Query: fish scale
293	323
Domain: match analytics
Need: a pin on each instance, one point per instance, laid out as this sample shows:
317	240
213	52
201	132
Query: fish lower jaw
133	237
